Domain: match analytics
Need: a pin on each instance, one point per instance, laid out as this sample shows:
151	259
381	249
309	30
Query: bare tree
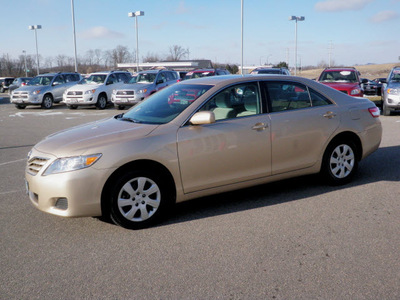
151	57
118	55
176	53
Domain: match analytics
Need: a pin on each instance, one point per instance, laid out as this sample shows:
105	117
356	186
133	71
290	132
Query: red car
344	79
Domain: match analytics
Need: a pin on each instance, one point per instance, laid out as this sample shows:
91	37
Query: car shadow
380	166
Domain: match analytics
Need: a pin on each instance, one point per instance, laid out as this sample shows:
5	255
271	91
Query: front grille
23	95
35	164
75	93
123	93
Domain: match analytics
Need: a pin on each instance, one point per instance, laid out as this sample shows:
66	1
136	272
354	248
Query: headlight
355	92
36	92
393	91
68	164
114	92
142	91
90	92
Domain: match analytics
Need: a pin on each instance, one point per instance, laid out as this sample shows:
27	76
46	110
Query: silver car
391	92
201	137
145	84
44	90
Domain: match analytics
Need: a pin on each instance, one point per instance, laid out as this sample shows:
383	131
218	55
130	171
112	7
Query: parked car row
100	89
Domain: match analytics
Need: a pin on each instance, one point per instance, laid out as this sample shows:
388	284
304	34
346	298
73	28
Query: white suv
95	89
146	83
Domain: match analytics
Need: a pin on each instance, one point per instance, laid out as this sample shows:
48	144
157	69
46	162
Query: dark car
379	81
276	71
5	83
205	73
370	87
18	82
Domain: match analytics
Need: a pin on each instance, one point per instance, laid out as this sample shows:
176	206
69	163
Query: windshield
94	79
395	76
192	75
41	80
146	77
165	105
338	76
133	79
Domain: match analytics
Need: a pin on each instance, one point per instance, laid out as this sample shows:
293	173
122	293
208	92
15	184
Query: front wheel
139	199
339	162
385	109
47	102
101	102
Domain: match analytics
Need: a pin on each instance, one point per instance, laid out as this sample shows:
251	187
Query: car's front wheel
47	102
101	101
340	162
385	109
139	199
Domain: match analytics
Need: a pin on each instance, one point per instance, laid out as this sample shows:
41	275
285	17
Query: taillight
22	84
374	111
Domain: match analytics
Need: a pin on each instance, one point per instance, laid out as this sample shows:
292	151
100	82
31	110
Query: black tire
19	106
47	101
385	110
340	162
139	199
101	101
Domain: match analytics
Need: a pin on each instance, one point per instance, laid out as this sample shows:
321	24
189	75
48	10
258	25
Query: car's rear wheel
101	101
47	102
139	199
340	162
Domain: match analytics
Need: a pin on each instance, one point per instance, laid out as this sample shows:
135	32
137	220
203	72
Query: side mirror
202	117
55	83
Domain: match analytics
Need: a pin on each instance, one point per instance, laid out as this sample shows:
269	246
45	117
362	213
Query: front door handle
260	126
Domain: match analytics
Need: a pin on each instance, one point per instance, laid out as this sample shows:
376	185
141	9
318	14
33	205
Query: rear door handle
260	126
329	115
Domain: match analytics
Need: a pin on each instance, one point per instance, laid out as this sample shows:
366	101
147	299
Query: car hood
92	137
84	87
393	85
342	85
30	88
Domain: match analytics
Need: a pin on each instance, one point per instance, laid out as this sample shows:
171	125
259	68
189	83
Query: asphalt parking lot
296	239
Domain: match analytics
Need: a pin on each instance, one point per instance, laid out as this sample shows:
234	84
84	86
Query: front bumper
26	98
83	99
69	194
128	99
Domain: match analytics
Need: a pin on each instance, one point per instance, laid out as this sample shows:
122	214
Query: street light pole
35	27
26	71
73	26
241	65
135	15
291	18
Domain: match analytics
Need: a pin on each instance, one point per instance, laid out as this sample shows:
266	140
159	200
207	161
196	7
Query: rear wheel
47	102
340	162
139	199
101	101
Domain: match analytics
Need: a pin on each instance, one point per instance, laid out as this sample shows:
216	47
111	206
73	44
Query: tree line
92	61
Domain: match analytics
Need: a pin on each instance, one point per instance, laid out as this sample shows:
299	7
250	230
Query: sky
355	32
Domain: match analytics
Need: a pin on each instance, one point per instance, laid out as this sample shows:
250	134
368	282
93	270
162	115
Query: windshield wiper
130	120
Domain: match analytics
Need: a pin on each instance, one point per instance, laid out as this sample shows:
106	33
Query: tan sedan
197	138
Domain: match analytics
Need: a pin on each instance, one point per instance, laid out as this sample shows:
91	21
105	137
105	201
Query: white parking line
10	162
54	113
